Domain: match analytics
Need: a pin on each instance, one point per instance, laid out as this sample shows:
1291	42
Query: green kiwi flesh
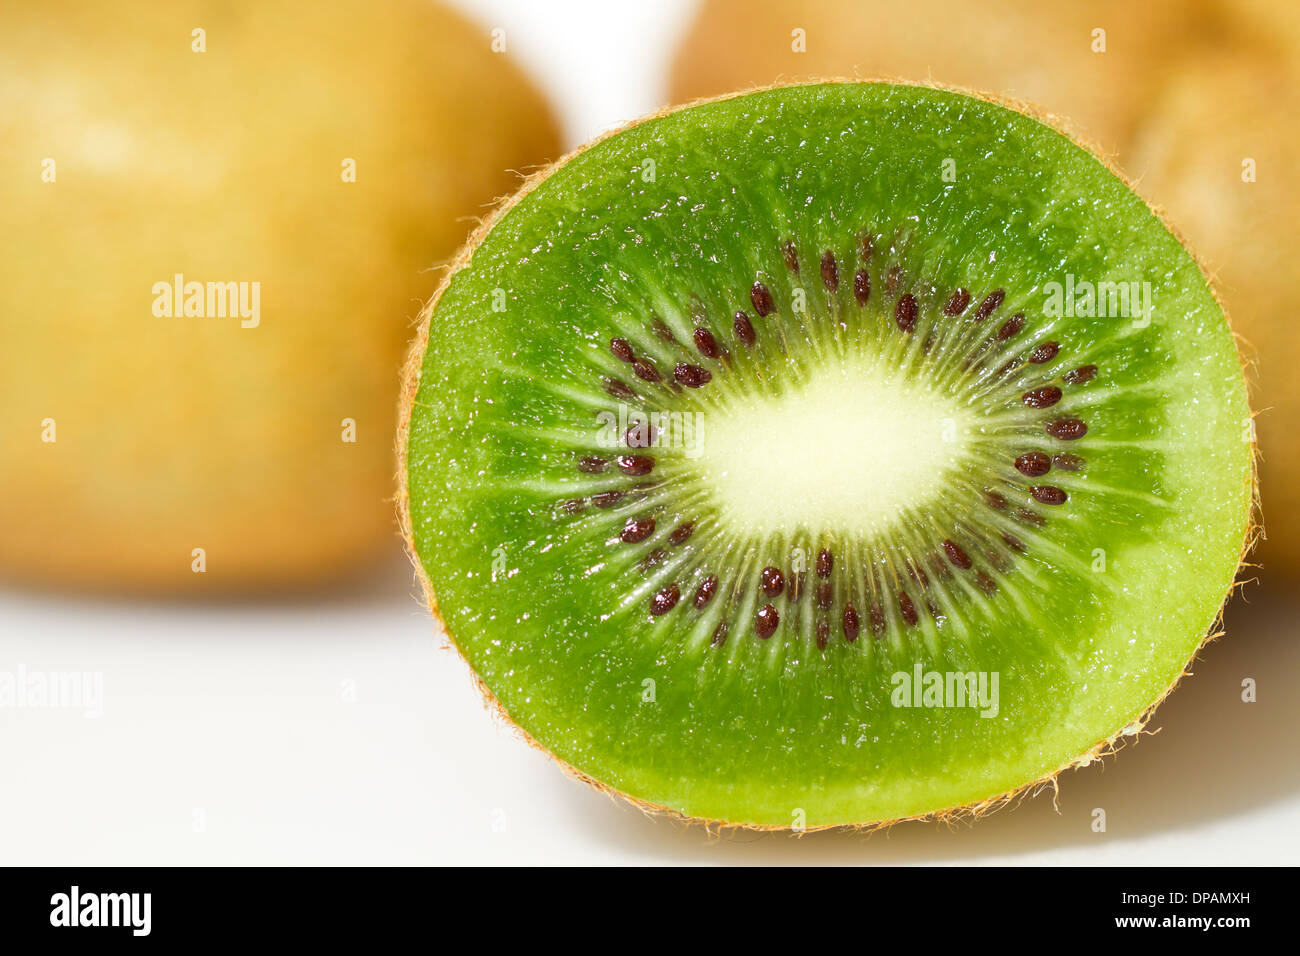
887	448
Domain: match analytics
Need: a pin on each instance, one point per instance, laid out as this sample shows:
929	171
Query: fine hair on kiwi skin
856	621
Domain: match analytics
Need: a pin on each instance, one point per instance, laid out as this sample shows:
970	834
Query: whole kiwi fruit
220	220
1218	152
828	454
1095	63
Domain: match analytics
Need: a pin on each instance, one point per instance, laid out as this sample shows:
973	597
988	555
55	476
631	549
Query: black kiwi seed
762	299
1084	373
653	559
986	583
772	581
997	560
645	369
957	302
1049	494
958	557
907	609
635	465
1067	429
607	499
622	349
791	256
1011	327
916	574
1045	396
574	506
640	436
995	500
823	633
1033	464
706	343
744	330
824	595
618	389
830	271
664	600
850	624
905	313
990	303
692	376
591	465
861	286
867	246
704	593
765	621
637	530
662	331
877	618
825	561
720	634
1044	353
937	564
893	279
681	533
1030	517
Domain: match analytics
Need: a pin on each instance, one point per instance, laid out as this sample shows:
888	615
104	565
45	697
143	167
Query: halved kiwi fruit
769	464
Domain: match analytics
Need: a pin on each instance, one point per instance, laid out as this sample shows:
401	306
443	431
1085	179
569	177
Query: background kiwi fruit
740	428
1218	151
144	140
1182	96
1048	54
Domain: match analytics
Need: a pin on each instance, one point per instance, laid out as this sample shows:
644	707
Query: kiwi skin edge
410	386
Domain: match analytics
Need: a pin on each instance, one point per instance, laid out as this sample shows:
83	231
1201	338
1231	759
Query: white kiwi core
852	448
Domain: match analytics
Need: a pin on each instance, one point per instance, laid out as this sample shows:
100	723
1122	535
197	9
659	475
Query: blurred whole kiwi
1196	101
1218	151
1095	63
220	220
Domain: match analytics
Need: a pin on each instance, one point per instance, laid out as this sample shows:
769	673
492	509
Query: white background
341	729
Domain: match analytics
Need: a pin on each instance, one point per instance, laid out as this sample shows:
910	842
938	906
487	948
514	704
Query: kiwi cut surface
743	422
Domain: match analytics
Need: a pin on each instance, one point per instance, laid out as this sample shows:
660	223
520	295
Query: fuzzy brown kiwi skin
971	811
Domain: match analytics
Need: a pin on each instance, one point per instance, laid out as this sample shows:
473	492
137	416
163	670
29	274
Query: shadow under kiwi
380	579
1211	756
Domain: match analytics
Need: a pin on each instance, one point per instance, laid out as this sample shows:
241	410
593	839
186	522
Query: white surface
602	63
339	730
342	731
